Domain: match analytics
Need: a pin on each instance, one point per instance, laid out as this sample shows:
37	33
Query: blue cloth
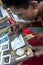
4	25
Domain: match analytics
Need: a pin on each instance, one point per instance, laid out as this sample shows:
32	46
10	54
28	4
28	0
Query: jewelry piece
20	52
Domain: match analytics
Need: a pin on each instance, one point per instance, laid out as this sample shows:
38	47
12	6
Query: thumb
37	53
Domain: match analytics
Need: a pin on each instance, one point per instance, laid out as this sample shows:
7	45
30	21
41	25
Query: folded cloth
36	41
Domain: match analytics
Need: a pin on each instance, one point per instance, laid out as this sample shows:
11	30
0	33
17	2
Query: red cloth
33	60
11	21
27	31
36	41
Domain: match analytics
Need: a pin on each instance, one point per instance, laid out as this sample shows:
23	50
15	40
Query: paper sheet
17	42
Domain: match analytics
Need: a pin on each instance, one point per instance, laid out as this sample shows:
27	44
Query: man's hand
39	51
